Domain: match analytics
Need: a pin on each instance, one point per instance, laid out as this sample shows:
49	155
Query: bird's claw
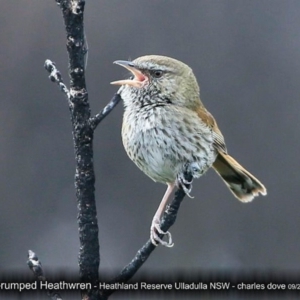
185	184
155	230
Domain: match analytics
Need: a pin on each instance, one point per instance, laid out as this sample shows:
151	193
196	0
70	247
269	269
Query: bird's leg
155	226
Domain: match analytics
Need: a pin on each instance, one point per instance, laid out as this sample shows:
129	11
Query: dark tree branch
89	257
142	255
36	267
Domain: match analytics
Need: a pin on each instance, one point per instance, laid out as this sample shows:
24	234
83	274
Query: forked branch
83	126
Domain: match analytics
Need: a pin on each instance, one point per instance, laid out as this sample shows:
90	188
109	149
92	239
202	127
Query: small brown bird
166	130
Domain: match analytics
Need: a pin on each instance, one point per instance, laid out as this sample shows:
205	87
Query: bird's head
159	79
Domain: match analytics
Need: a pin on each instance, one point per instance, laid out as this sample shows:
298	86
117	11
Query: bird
167	130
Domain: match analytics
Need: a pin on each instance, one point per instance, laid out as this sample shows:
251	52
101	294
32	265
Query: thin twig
94	121
36	267
55	76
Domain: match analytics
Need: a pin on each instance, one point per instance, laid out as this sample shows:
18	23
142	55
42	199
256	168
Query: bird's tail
241	183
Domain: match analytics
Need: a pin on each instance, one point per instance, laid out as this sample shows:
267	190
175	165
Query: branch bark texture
89	255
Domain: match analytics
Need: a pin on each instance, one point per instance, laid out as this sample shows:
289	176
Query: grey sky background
246	57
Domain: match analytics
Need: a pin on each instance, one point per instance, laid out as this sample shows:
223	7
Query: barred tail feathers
241	183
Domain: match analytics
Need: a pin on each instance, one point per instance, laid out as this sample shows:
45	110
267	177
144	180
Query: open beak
139	78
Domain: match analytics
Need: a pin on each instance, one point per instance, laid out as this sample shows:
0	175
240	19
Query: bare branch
36	267
89	256
142	255
94	121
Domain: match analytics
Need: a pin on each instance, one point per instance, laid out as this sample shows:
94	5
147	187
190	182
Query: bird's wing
209	120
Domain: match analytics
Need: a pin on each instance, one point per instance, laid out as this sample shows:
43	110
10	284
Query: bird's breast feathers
162	139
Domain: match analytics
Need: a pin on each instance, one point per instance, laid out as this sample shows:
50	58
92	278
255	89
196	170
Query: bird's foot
184	184
155	230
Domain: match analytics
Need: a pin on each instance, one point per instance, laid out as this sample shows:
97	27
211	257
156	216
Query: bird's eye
157	73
